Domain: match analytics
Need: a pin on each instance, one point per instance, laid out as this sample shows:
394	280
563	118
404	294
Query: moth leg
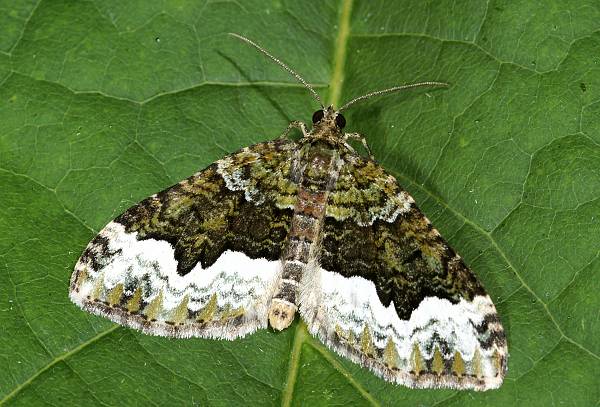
358	136
296	124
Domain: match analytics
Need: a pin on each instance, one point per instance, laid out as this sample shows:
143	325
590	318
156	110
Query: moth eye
317	116
340	121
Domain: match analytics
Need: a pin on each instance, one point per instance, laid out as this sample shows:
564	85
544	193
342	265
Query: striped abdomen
317	177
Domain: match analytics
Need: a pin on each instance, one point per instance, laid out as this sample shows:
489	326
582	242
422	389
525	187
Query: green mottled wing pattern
242	202
395	297
199	258
376	231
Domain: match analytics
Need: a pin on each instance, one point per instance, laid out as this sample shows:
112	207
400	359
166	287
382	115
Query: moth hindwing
308	227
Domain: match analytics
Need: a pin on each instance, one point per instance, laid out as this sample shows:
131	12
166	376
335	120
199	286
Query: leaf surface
103	103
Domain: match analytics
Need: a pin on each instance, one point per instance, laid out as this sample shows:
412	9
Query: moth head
329	117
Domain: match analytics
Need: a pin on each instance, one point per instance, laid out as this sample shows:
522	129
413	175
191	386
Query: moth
306	227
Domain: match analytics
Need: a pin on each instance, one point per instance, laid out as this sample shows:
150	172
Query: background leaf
103	103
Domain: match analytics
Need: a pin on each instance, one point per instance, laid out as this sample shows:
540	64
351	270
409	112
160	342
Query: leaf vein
54	362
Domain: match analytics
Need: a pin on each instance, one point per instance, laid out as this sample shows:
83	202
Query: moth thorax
319	163
281	314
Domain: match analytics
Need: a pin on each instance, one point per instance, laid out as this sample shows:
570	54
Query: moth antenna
393	89
281	64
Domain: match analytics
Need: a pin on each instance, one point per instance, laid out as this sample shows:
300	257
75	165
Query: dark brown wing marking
202	217
403	255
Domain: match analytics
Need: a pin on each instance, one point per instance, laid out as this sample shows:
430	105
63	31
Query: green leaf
103	103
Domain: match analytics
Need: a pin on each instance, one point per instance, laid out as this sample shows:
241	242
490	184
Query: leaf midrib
301	334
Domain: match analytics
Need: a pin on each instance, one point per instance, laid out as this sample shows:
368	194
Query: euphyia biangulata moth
309	227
